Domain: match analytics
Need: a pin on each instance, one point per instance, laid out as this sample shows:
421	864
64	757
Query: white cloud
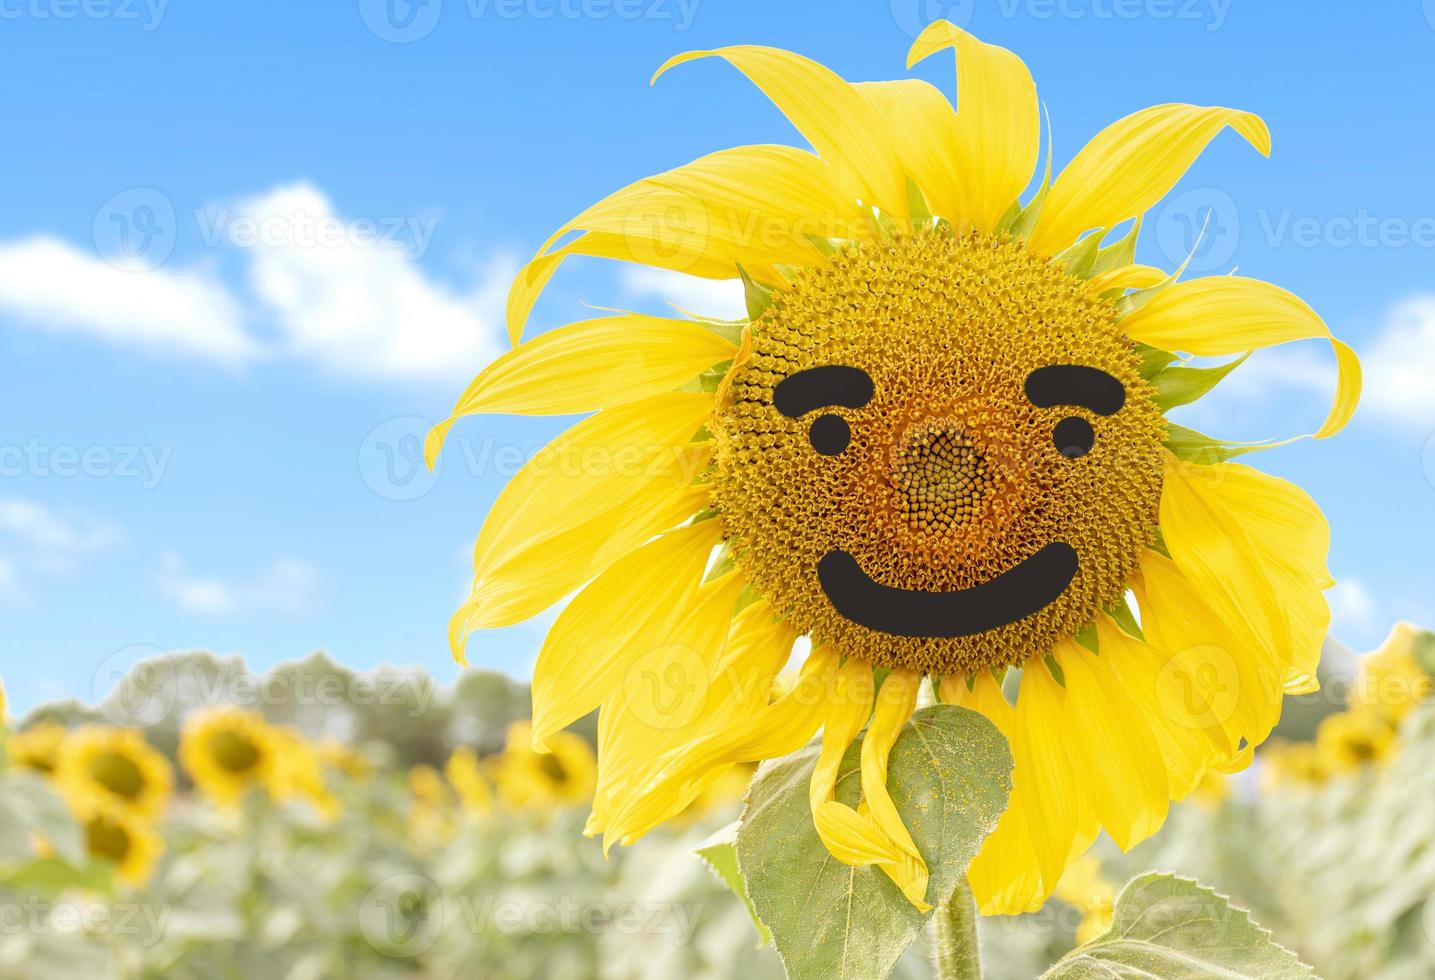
359	304
287	585
720	298
40	543
1352	607
55	286
1400	364
346	294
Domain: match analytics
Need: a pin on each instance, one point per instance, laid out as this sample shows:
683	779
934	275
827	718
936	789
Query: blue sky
246	251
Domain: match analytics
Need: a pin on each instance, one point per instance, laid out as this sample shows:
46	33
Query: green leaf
51	876
1423	649
1154	360
949	776
719	853
1179	385
28	804
1172	928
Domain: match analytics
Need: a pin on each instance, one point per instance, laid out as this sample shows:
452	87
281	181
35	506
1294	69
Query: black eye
830	434
1073	437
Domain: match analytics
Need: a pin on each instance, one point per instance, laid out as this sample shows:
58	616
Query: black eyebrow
1075	384
819	387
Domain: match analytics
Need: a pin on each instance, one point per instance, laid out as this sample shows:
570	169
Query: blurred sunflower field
313	822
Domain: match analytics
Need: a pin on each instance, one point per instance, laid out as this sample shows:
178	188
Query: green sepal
757	296
708	382
1118	254
919	211
1191	446
1178	385
1079	259
1125	618
1153	360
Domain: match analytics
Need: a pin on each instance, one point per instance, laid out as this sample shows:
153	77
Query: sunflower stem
956	954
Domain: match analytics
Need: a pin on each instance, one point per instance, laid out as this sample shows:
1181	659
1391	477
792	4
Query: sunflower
1292	764
228	751
465	776
563	773
36	747
1084	889
936	446
298	774
118	835
1352	740
431	820
1390	681
117	764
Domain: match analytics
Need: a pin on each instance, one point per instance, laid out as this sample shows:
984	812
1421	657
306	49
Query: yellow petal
661	701
750	205
1187	750
1127	277
1289	539
596	492
994	142
842	127
1132	164
896	701
628	611
1054	803
1005	877
1110	749
1214	674
1230	315
587	366
765	732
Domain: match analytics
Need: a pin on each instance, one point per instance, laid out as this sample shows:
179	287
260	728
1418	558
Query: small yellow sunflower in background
431	820
565	773
1084	889
117	764
1352	740
1292	764
1390	681
465	775
937	446
119	836
298	774
228	751
344	758
36	747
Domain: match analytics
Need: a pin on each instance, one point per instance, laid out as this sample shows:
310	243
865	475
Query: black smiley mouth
1021	590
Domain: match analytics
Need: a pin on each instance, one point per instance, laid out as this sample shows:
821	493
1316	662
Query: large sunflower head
228	751
36	746
937	445
116	764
